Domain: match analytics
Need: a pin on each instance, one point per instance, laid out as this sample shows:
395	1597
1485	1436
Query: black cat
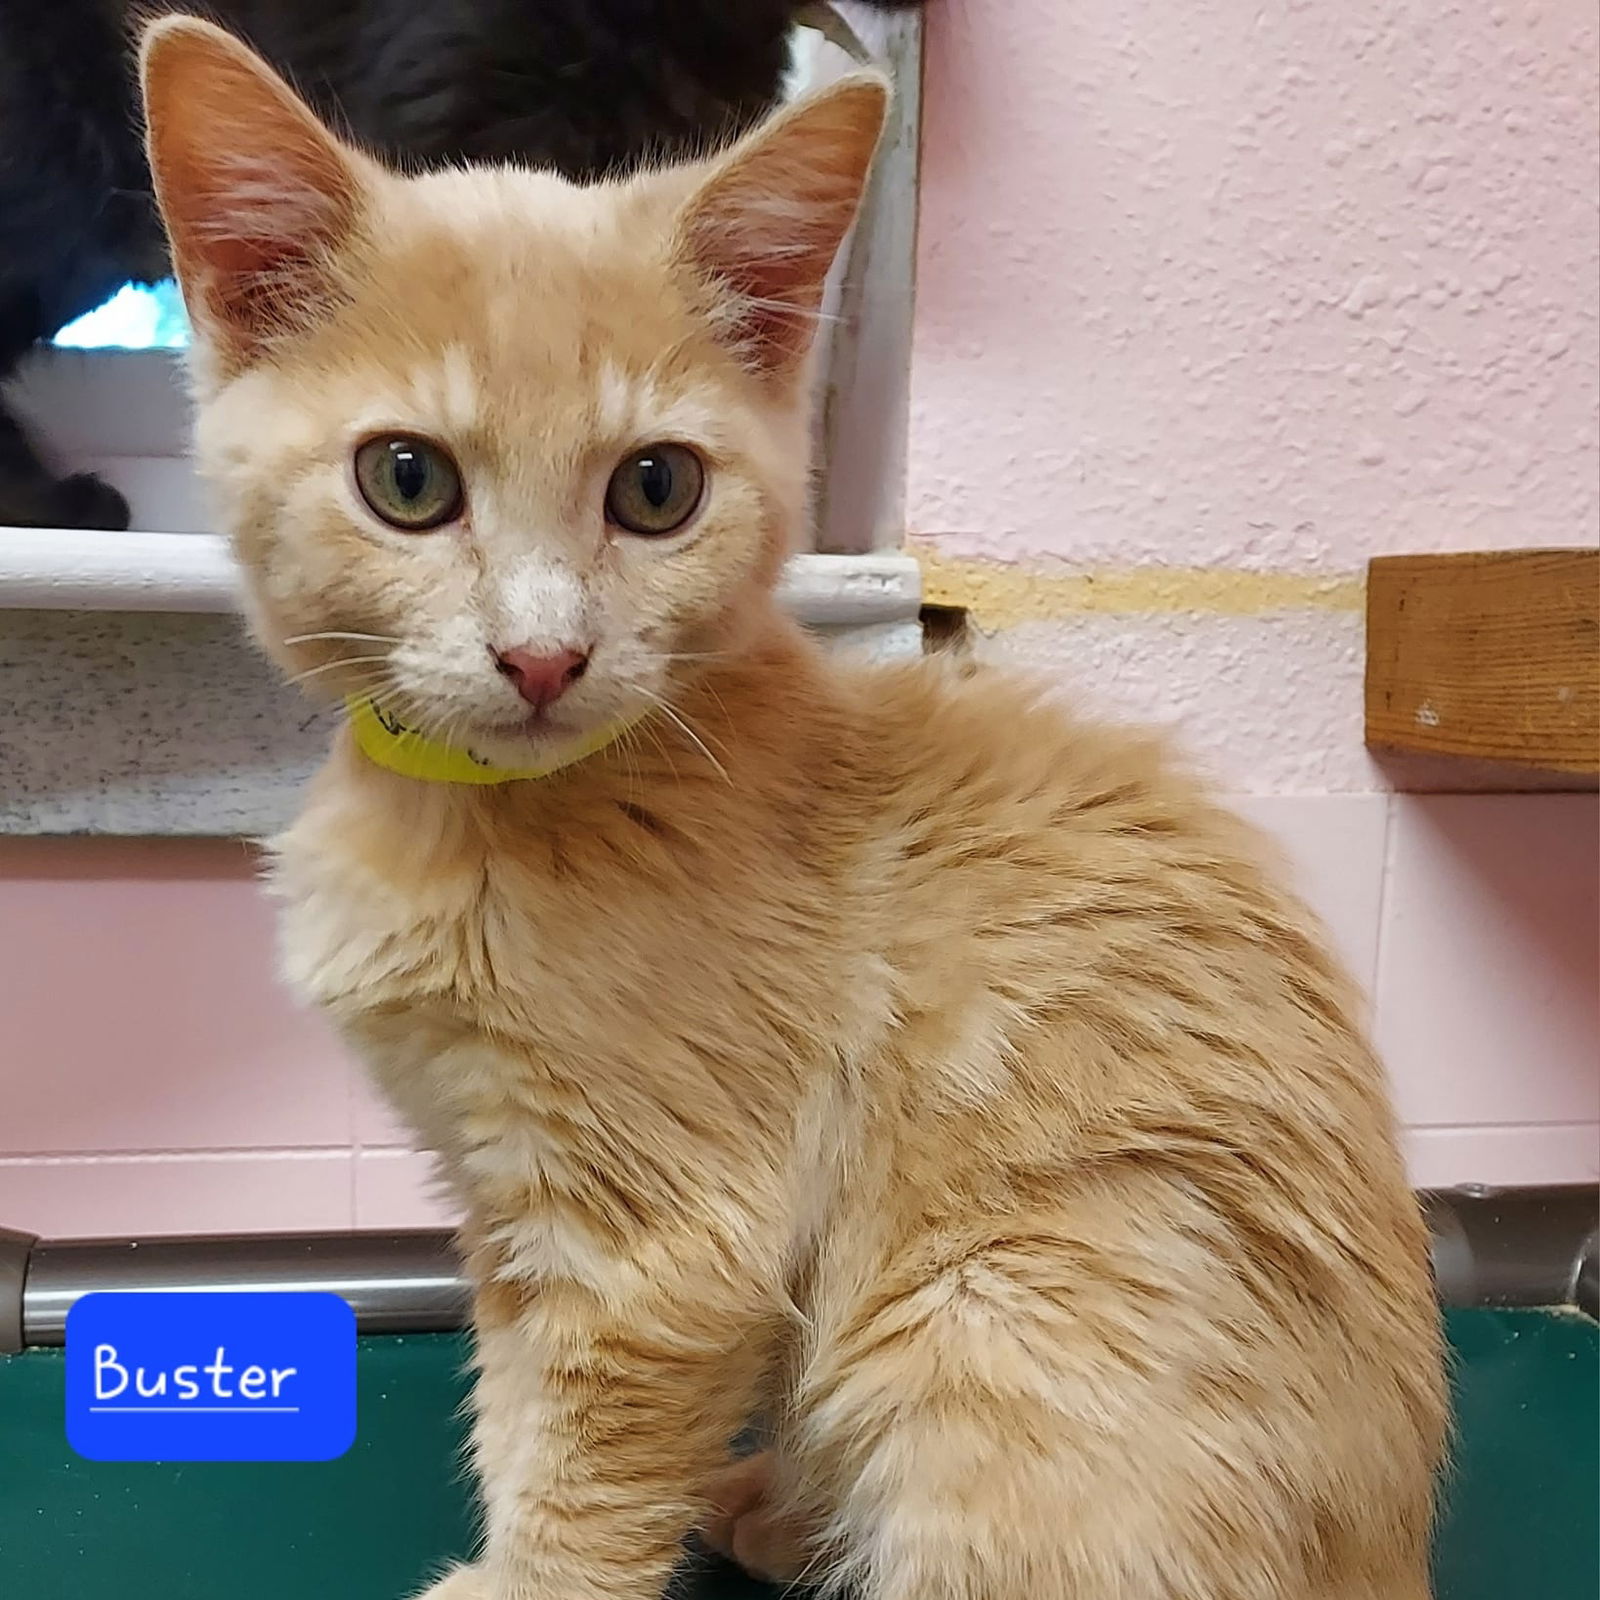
586	86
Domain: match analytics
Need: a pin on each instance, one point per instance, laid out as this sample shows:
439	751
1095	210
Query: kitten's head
512	455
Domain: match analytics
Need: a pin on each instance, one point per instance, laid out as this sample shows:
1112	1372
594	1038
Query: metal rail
1508	1247
395	1282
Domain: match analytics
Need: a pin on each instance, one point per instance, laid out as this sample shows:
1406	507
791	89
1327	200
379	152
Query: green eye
656	490
409	483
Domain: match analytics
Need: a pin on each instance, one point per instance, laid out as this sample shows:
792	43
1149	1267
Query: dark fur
588	86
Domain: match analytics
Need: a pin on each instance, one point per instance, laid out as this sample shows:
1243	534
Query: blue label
211	1377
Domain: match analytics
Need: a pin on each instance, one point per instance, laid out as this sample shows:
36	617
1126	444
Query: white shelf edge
70	569
63	569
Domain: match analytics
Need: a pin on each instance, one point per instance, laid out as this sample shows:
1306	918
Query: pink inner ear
776	314
767	226
258	287
248	258
773	269
263	228
257	195
261	270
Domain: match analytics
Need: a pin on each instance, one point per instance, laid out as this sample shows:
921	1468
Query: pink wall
155	1078
1279	285
1217	301
1213	304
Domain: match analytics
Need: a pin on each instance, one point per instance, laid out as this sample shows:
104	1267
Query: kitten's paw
747	1528
464	1583
85	501
29	500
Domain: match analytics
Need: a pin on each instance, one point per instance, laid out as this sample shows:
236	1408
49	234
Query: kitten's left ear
766	224
257	195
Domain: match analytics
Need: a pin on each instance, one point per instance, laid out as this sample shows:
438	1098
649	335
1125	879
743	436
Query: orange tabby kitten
877	1046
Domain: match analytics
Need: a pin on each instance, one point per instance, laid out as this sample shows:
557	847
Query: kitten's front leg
599	1419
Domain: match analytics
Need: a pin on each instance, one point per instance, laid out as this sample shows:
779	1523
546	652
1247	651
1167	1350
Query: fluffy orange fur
880	1049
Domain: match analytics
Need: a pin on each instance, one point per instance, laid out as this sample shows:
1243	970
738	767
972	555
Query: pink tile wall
1473	921
155	1078
1488	994
142	1013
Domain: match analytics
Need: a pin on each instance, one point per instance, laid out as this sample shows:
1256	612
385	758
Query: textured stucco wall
1250	290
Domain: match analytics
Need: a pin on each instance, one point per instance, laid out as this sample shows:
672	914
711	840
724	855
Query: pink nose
542	680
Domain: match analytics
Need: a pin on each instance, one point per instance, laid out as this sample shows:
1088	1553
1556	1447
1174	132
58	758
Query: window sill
51	569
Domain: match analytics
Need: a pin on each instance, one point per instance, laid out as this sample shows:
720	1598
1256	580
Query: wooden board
1492	656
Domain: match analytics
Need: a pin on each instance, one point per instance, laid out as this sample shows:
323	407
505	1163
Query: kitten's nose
542	680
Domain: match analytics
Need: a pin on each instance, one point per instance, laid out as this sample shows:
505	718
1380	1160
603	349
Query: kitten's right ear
257	195
766	224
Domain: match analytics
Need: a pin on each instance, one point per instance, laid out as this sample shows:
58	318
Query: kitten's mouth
539	729
538	726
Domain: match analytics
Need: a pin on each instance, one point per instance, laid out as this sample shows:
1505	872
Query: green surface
1521	1522
1521	1517
369	1526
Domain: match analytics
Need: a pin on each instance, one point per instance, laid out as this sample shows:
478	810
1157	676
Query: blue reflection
134	318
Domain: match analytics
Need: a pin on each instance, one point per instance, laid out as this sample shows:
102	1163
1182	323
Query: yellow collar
386	740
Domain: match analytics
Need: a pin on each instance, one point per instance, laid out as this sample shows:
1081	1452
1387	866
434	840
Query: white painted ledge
134	705
68	569
852	591
57	569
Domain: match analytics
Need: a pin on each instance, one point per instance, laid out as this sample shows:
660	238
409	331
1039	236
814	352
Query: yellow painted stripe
998	596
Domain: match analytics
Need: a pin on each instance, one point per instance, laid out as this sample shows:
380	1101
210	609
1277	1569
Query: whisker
711	738
342	661
783	309
660	746
429	724
798	1581
360	638
630	753
722	705
704	748
361	672
445	727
